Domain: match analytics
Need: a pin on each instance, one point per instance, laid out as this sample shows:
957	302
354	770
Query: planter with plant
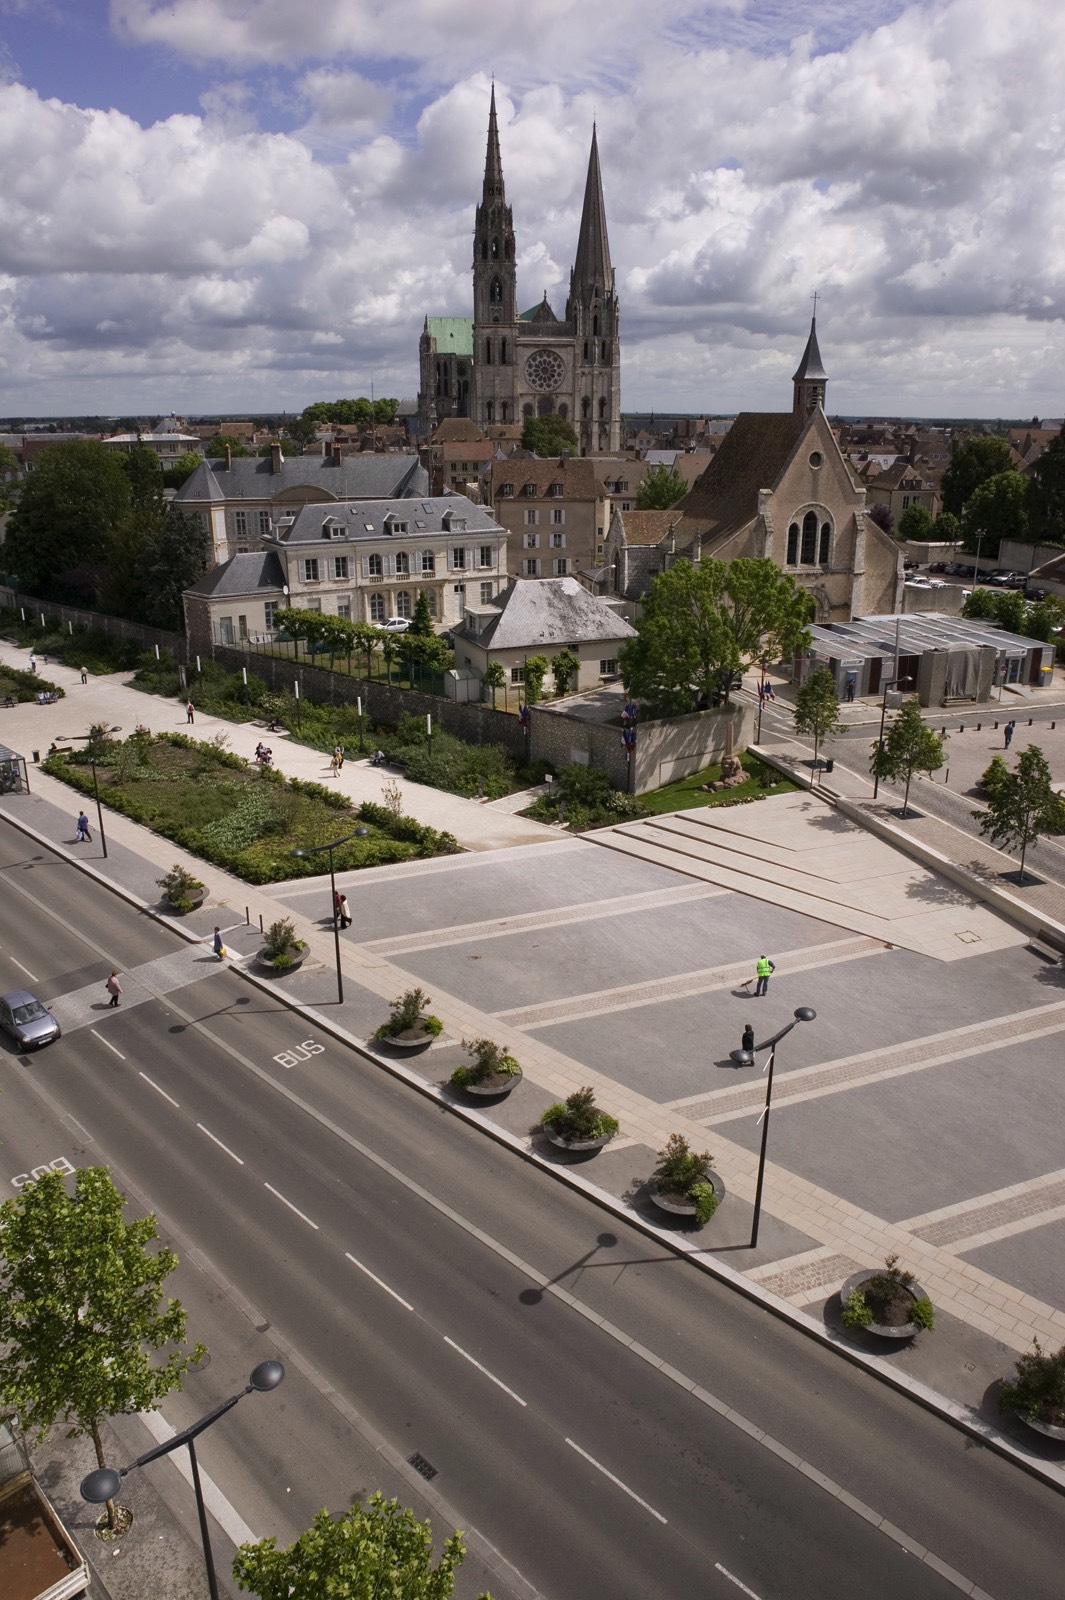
410	1026
492	1072
282	952
1037	1391
890	1303
181	889
684	1181
577	1123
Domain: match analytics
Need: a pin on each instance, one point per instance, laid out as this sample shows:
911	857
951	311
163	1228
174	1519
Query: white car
396	625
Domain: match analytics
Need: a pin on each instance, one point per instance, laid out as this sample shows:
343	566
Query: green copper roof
453	335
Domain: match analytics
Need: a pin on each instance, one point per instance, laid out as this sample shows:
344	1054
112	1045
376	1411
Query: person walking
114	989
334	765
190	712
216	943
747	1041
84	675
33	662
342	911
764	971
336	905
83	836
1007	733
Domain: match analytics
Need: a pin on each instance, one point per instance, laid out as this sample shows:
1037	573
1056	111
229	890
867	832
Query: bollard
247	914
979	725
995	726
1029	722
261	928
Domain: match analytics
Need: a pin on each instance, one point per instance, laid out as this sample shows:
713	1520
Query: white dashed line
220	1145
598	1465
301	1214
499	1384
379	1282
32	976
109	1045
727	1574
157	1089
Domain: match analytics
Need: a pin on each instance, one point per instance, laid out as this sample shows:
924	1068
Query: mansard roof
242	575
369	519
368	476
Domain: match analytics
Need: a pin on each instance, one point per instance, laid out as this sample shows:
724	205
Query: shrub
706	1201
407	1014
490	1060
857	1312
680	1167
993	776
884	1289
1038	1390
25	686
179	886
578	1117
281	942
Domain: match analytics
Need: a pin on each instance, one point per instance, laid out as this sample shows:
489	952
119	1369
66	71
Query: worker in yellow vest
763	971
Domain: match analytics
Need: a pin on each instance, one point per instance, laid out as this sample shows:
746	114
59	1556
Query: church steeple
494	286
810	377
592	269
592	309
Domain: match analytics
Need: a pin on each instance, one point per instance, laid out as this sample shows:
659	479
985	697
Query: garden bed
219	807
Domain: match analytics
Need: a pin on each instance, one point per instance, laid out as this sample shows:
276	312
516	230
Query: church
502	365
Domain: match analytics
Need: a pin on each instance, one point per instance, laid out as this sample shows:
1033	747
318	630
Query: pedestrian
216	943
340	757
84	675
84	836
190	712
1008	732
334	766
747	1042
114	989
336	905
342	911
764	971
33	662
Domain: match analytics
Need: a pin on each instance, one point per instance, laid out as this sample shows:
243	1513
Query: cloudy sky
247	205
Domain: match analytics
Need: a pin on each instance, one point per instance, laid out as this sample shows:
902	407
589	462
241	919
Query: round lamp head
267	1375
745	1058
362	833
101	1485
300	853
805	1014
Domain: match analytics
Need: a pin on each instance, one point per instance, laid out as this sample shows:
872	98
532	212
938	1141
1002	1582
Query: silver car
28	1022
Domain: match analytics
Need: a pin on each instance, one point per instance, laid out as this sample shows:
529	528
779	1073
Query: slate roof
543	613
242	575
368	476
365	519
752	456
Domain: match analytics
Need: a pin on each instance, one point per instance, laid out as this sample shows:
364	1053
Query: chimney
337	454
276	458
229	457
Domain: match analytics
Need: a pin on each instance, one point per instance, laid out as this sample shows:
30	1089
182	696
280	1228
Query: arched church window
563	410
602	350
503	353
585	349
484	249
495	292
793	544
495	249
809	539
488	351
826	543
586	407
527	410
508	249
489	411
504	411
602	406
595	327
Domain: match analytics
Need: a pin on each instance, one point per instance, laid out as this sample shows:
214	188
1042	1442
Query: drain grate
419	1463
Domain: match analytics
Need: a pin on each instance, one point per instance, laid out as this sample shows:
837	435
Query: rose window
545	371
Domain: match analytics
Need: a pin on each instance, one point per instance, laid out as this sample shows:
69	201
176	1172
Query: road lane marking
497	1381
238	1159
223	1511
291	1207
630	1492
157	1089
379	1281
32	976
733	1579
109	1045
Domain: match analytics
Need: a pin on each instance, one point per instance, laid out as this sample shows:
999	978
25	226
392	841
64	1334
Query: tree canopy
352	413
222	442
701	625
548	436
997	509
82	1308
915	524
379	1551
68	505
909	746
9	474
971	463
1022	805
817	707
1046	498
661	488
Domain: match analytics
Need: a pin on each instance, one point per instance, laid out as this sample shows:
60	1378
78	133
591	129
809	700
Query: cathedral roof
592	263
752	456
453	335
493	165
541	313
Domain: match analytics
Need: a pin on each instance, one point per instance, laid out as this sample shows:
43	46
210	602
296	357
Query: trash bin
830	763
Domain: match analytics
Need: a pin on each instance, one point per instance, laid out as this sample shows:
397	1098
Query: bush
680	1167
1038	1390
490	1060
281	942
579	1118
179	886
993	776
408	1014
25	686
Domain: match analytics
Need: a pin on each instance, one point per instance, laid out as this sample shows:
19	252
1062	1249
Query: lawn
246	820
688	792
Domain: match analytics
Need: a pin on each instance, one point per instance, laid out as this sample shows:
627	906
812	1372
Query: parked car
396	625
1003	579
940	566
29	1023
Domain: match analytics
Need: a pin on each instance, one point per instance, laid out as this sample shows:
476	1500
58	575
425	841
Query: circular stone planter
500	1083
298	957
195	897
1052	1430
578	1146
685	1207
413	1039
885	1330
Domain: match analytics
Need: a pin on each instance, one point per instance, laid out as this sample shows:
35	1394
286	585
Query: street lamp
89	739
889	683
803	1014
313	849
104	1483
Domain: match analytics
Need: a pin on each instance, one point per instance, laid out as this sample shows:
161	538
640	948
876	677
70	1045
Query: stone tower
592	308
810	378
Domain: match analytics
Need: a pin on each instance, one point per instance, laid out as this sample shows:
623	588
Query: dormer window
506	491
529	491
393	525
556	491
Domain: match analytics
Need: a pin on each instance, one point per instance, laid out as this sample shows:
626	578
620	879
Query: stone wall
665	751
74	616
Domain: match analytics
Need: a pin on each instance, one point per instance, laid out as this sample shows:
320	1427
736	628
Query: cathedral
502	365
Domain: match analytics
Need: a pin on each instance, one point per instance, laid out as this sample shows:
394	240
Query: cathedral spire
810	377
592	265
493	165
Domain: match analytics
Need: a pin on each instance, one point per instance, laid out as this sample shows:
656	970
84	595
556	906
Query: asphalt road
613	1421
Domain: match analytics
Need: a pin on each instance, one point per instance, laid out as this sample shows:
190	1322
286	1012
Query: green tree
303	430
1046	501
379	1551
971	463
145	475
422	620
908	747
1022	805
82	1307
997	509
174	554
661	489
9	477
221	443
565	669
947	529
817	707
548	436
981	606
182	469
914	524
702	625
494	678
1045	618
68	506
536	669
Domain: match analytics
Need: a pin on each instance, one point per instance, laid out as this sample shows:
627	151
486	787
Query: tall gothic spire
592	265
493	165
810	377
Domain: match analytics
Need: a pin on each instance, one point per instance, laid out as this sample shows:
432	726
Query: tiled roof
242	575
546	613
752	456
456	428
369	476
649	527
576	475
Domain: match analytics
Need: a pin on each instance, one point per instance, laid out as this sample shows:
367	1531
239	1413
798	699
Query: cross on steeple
815	297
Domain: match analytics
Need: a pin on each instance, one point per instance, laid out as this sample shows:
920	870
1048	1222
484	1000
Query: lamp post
890	683
104	1483
802	1014
313	849
89	739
